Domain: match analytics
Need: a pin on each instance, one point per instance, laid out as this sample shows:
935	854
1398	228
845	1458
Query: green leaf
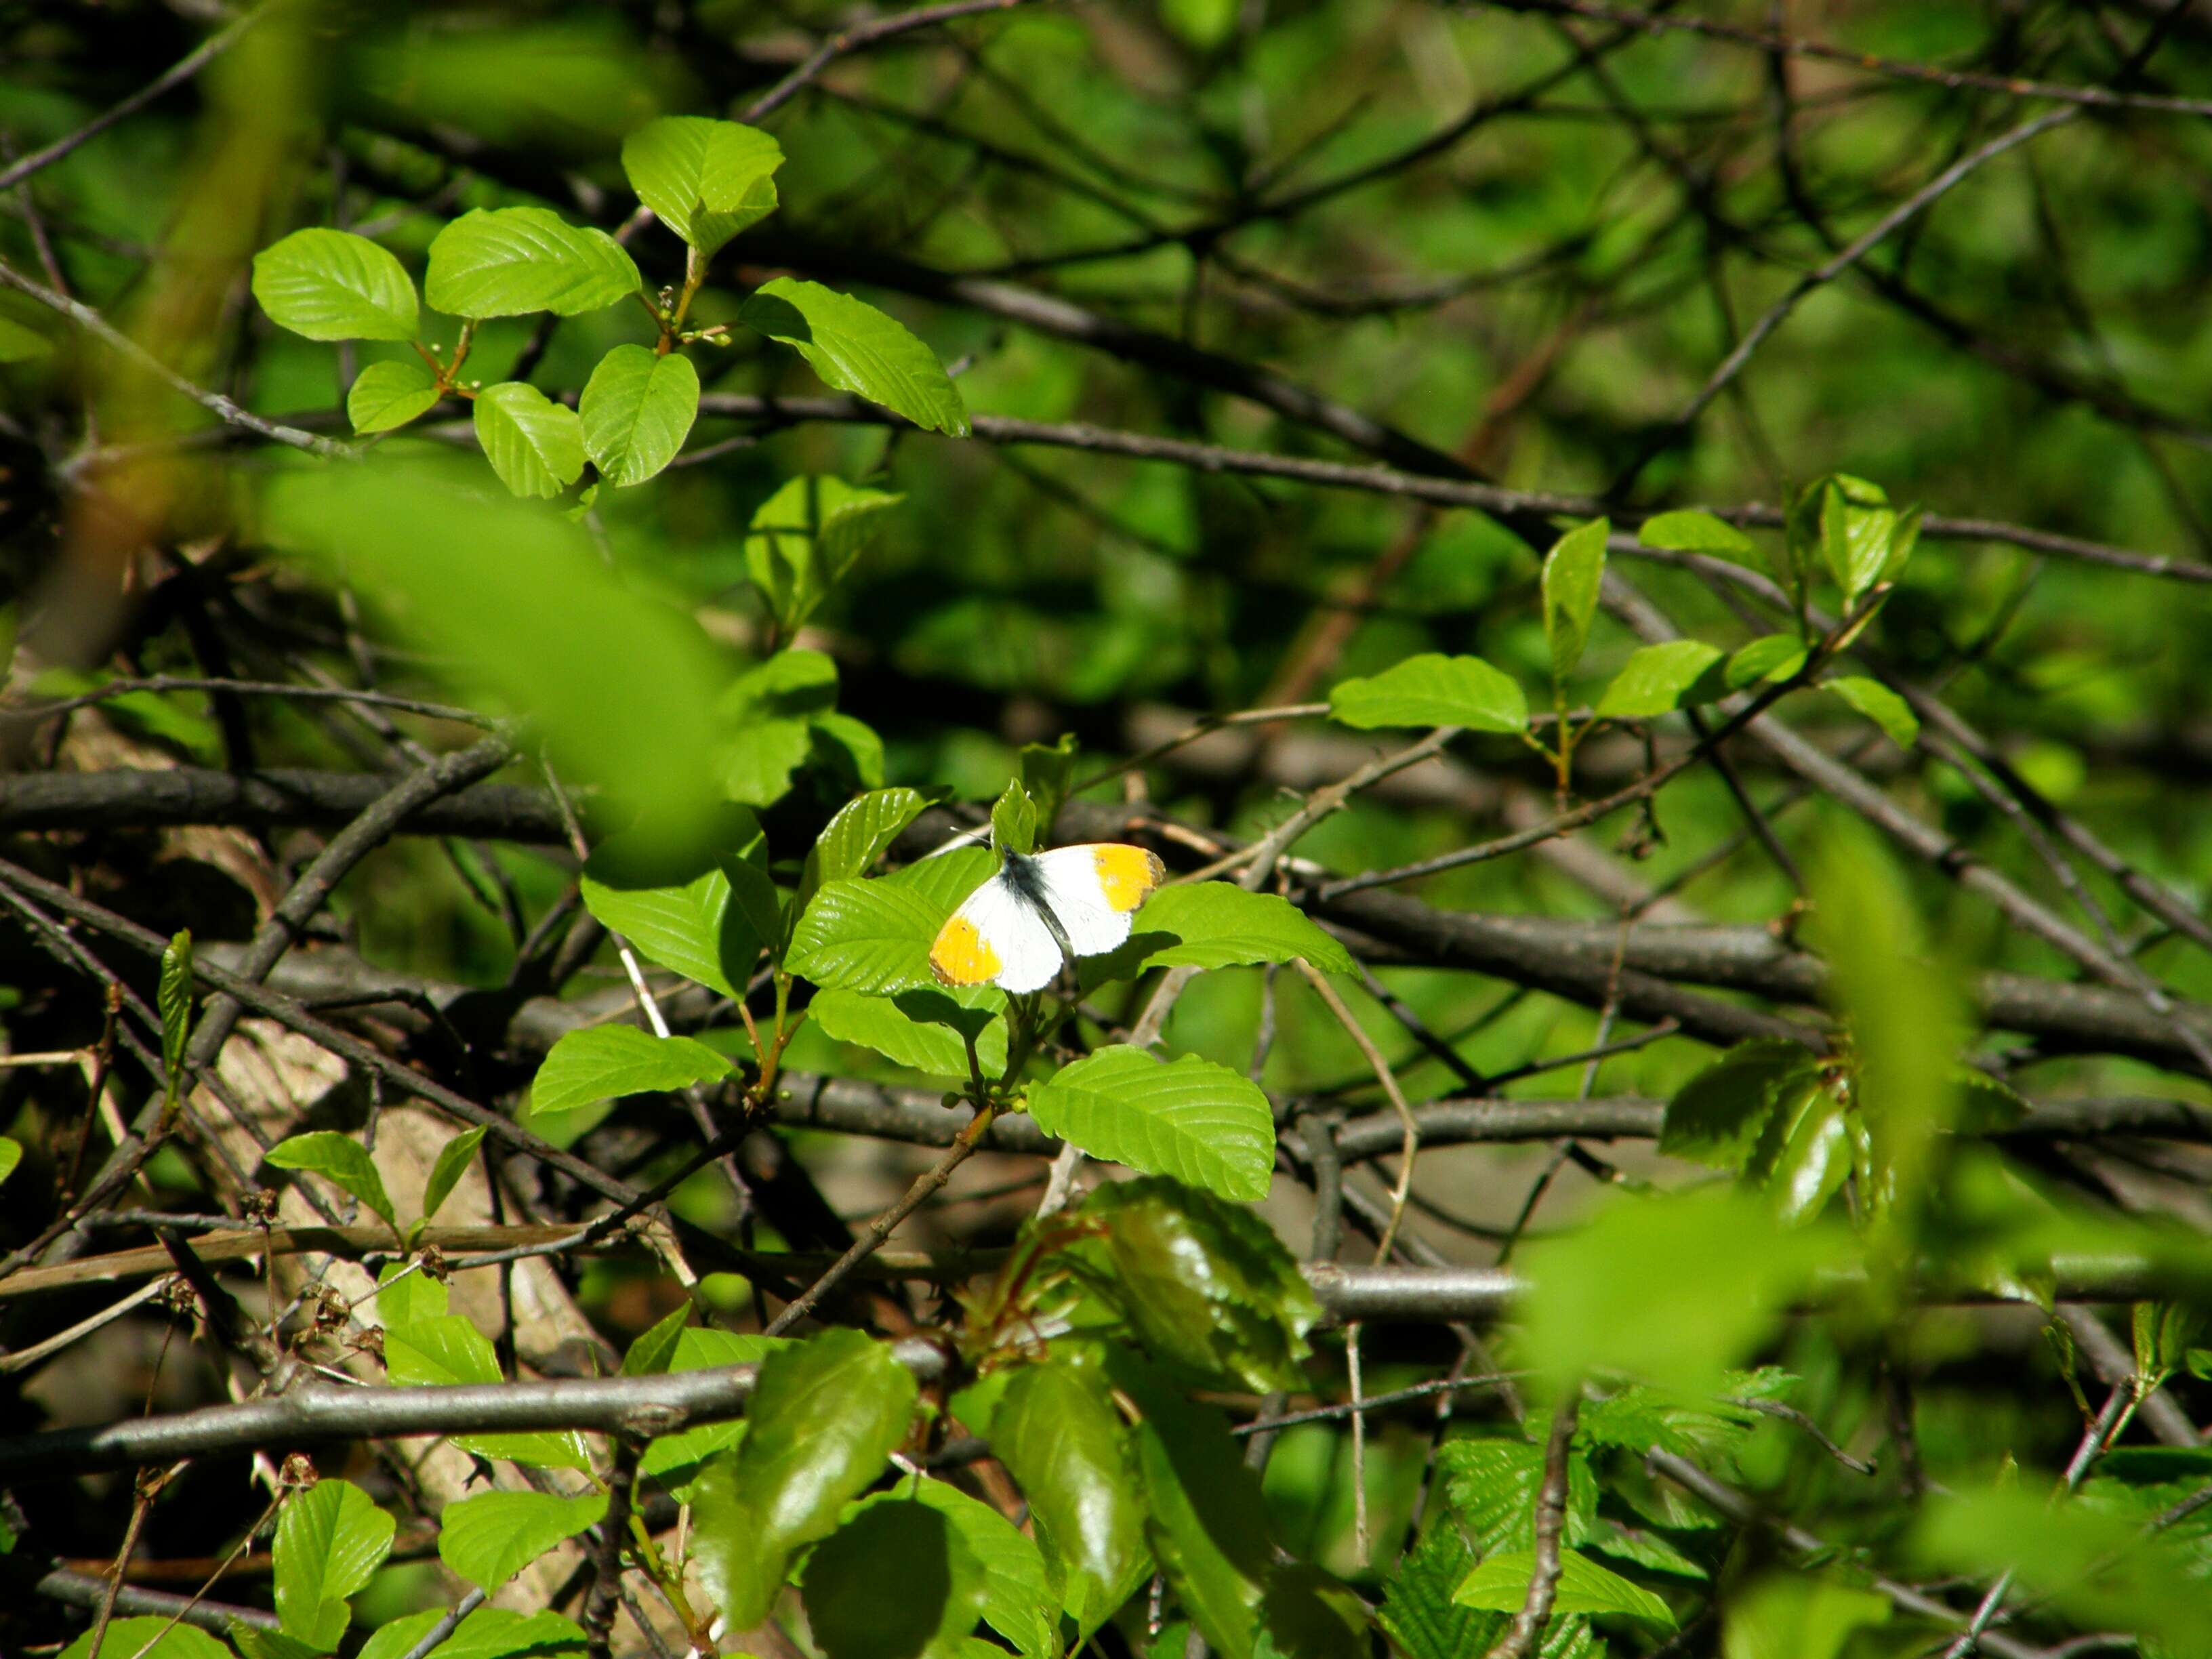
1418	1610
488	1539
1432	690
149	1637
1205	1515
930	1044
254	1643
1065	1445
1674	1288
806	537
602	1062
535	445
390	394
453	1158
863	829
11	1154
1648	1550
338	1159
174	998
402	1297
636	410
1217	924
772	709
1797	1616
330	1540
1879	704
334	285
1205	1286
448	1349
401	1636
1013	821
1659	678
1046	770
824	1417
1501	1583
1691	530
1574	570
1195	1120
1804	1152
1856	533
703	913
856	348
895	1581
508	262
1770	657
674	1460
706	180
1493	1484
21	344
500	1633
868	936
1017	1594
654	1350
1716	1117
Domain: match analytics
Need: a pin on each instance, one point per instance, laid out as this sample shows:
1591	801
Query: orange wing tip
1127	874
961	956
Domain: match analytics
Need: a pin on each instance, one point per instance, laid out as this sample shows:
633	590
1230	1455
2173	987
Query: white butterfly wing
996	936
1094	891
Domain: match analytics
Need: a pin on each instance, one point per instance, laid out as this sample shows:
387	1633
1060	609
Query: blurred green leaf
1064	1443
1205	1286
1046	772
824	1416
1770	657
1797	1616
488	1539
1191	1119
535	445
636	410
1432	690
337	1157
390	394
22	344
11	1154
510	261
706	180
334	285
1671	1288
856	348
601	1062
623	685
1574	570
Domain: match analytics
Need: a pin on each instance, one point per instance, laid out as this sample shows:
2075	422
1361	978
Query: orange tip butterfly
1014	931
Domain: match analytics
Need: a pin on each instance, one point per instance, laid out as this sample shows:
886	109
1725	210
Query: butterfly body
1035	913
